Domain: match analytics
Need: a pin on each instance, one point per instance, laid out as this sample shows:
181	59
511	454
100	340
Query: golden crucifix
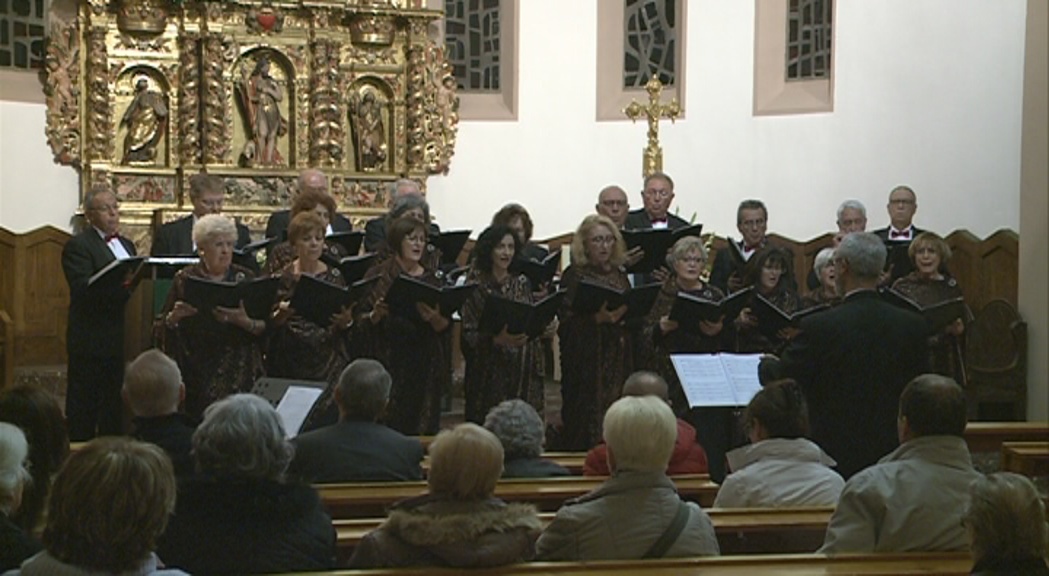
652	159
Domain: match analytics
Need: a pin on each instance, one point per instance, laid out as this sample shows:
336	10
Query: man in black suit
95	332
903	203
206	193
752	219
309	179
853	360
358	448
657	194
375	229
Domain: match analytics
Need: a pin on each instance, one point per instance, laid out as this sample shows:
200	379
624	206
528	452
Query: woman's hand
788	333
747	318
634	255
432	316
283	312
236	316
379	311
508	340
179	311
956	328
666	325
606	316
343	319
711	328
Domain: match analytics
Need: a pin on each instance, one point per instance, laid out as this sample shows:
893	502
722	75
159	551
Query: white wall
928	93
34	191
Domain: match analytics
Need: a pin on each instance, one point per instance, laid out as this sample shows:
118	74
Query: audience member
37	412
459	523
914	498
853	360
15	543
781	467
239	516
1007	527
688	456
358	448
153	390
520	430
637	512
109	504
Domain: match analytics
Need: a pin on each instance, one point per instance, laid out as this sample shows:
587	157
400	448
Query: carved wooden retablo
142	94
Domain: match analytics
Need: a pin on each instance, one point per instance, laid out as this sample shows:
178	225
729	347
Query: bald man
688	456
311	179
612	203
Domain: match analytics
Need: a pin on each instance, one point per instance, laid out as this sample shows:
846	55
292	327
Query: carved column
415	98
326	128
217	131
189	98
99	116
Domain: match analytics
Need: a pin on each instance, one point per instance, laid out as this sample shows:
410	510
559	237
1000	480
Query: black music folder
538	272
117	275
407	291
590	297
898	259
258	295
350	241
318	300
938	315
519	317
247	255
688	310
655	243
353	268
772	319
450	244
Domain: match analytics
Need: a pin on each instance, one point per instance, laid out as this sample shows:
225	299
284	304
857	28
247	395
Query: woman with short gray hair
519	429
15	544
827	293
239	515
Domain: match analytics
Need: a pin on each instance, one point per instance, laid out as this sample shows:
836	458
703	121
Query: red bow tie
111	237
895	234
659	221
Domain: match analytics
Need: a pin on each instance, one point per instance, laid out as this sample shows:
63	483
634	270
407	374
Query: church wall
927	93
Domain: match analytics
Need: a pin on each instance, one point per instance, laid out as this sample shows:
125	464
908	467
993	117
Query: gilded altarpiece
143	94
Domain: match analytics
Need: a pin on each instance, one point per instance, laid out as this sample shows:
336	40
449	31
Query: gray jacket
621	519
44	564
912	500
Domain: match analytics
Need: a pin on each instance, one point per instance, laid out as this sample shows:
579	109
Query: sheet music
717	379
295	406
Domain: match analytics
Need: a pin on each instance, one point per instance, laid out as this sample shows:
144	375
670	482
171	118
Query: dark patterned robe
751	340
418	359
595	361
215	359
302	350
496	373
817	298
945	350
658	346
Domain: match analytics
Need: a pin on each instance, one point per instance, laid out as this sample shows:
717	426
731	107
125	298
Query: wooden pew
739	530
370	500
572	461
989	436
1030	459
942	563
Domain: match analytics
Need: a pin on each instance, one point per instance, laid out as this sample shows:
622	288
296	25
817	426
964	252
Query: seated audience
827	292
521	432
1007	527
688	456
637	512
153	390
459	523
781	467
15	543
358	448
37	412
239	516
912	499
109	504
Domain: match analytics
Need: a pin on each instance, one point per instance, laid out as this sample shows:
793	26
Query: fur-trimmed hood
445	521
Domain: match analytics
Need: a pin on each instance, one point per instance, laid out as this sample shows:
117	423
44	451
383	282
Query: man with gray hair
153	390
914	499
309	179
375	229
854	359
358	448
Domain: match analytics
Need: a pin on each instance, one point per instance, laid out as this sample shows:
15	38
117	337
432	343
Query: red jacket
688	456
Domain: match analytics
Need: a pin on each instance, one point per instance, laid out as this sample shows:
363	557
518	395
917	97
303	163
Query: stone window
480	38
793	57
22	32
808	39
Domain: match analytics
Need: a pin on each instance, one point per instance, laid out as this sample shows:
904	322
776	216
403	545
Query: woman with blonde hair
596	349
459	523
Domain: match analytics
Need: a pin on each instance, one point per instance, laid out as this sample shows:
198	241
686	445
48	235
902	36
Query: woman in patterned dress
220	353
498	366
771	273
596	349
317	202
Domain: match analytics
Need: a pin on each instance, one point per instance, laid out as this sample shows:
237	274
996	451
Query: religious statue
369	130
260	95
145	120
448	106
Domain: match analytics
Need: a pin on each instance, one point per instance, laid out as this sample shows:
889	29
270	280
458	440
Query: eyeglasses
613	203
602	240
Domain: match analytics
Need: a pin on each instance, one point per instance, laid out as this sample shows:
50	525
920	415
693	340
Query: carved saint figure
448	105
145	120
370	131
261	96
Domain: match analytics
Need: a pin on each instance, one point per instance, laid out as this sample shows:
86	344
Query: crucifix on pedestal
652	159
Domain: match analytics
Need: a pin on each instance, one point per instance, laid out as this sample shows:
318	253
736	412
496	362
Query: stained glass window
472	38
649	42
808	39
22	30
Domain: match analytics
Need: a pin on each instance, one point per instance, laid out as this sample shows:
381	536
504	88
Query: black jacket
176	238
639	220
356	451
174	434
279	220
96	317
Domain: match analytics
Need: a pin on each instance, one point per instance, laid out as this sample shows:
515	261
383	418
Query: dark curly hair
486	243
